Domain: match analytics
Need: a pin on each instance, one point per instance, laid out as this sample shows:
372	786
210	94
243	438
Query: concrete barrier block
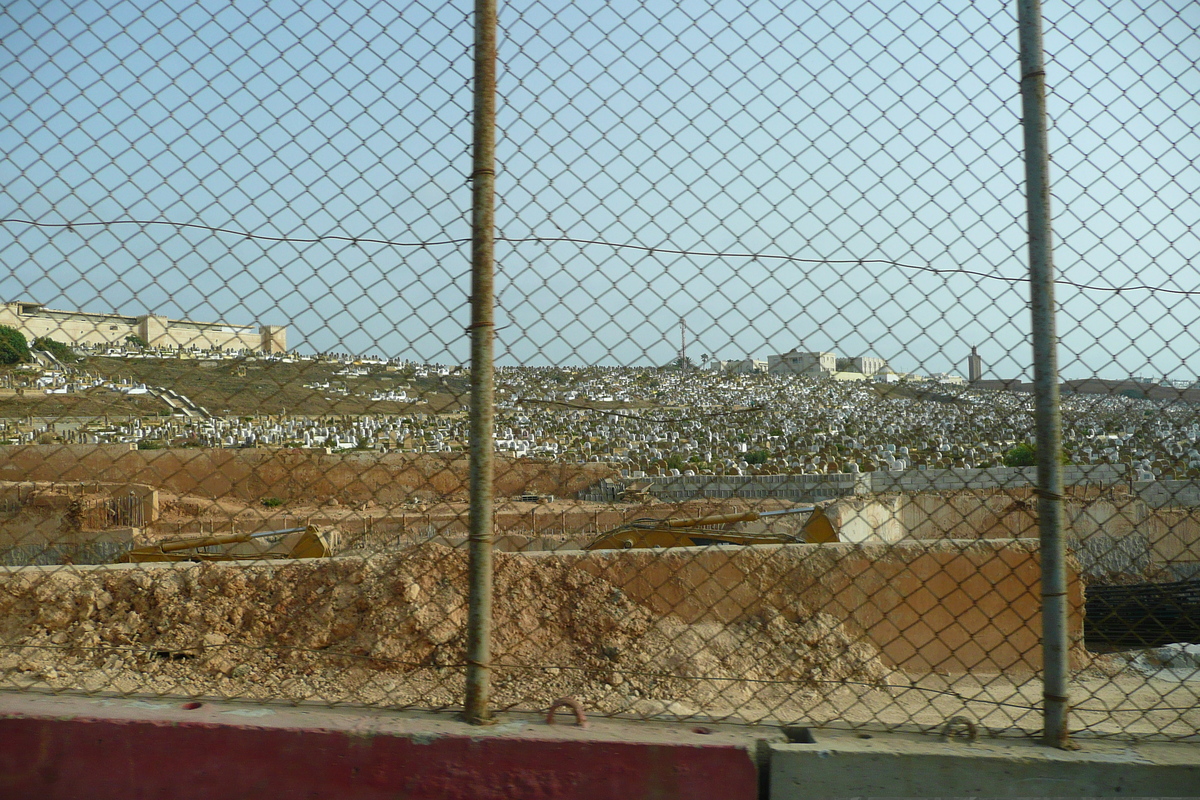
118	749
840	764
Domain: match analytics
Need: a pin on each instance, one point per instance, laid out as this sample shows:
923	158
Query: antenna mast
682	345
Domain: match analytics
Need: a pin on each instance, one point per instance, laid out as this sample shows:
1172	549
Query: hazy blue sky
879	131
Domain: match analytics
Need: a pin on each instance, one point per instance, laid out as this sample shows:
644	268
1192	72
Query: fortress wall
70	327
79	327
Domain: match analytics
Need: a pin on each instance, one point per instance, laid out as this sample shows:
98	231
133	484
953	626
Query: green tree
133	340
757	457
1023	455
684	363
14	349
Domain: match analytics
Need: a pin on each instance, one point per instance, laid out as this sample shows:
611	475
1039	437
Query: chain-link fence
743	423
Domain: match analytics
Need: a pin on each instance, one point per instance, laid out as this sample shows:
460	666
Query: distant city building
81	327
974	367
864	365
868	365
796	362
741	366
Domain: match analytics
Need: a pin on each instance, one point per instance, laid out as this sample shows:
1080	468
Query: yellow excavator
310	543
690	531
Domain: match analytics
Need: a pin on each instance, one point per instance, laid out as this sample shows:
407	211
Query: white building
868	365
741	366
796	362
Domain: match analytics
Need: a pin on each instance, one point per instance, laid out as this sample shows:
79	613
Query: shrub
62	352
13	347
1023	455
272	502
757	457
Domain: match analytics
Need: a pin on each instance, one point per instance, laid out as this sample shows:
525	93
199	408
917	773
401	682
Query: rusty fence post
482	330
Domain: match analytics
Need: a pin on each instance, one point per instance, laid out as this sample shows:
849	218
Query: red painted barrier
125	755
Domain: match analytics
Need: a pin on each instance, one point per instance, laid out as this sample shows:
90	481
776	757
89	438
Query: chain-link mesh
764	426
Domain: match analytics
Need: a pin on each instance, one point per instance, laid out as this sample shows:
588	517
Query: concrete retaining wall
952	606
803	488
1173	534
815	488
1158	494
941	480
876	520
1120	534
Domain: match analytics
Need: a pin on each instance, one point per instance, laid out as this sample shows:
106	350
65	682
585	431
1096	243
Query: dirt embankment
293	476
390	630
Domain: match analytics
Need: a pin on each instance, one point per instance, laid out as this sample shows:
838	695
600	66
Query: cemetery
645	422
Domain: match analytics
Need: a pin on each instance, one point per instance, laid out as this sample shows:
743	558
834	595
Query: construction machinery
306	542
692	531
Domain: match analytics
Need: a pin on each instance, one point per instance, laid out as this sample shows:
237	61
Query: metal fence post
483	183
1048	421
